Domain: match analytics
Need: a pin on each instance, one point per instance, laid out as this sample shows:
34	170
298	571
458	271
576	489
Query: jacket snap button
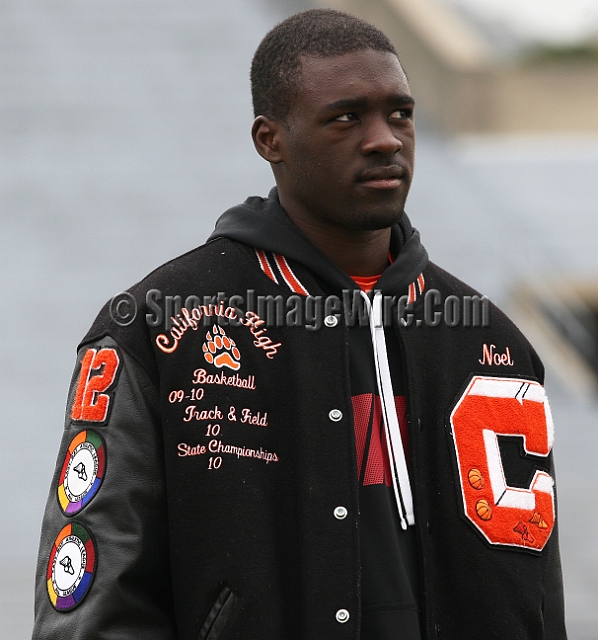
331	321
340	513
342	615
335	415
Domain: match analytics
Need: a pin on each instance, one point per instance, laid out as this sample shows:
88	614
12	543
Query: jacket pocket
218	616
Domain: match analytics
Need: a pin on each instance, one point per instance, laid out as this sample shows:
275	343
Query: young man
304	429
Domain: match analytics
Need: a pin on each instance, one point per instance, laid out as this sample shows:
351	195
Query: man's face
347	146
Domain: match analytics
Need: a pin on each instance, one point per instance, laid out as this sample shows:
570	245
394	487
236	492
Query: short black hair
276	65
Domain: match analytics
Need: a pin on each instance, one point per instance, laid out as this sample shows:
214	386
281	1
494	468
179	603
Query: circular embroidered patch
71	567
82	472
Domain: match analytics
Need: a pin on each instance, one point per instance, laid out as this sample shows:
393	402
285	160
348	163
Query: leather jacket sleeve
124	589
554	602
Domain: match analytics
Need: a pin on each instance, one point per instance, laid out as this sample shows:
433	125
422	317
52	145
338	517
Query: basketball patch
82	472
488	409
71	567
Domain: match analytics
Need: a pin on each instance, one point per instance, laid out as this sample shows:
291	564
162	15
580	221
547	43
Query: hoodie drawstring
398	463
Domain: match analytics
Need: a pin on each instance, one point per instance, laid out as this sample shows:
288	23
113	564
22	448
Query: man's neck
356	252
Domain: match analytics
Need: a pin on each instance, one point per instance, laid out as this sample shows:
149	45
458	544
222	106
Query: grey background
124	133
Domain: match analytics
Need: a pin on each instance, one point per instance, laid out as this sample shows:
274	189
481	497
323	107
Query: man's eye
401	114
346	117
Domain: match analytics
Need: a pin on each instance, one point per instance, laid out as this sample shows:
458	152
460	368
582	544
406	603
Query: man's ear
266	138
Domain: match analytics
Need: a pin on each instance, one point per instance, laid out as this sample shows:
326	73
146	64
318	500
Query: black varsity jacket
209	447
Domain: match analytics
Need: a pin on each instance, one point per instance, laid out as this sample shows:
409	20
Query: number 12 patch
98	373
491	407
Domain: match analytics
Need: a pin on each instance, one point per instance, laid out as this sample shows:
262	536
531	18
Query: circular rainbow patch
71	567
82	472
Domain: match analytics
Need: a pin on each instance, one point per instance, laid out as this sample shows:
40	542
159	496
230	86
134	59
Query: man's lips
382	177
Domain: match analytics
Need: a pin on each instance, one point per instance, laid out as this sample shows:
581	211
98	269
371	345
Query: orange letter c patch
491	407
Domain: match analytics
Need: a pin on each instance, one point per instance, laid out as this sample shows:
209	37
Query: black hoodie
390	587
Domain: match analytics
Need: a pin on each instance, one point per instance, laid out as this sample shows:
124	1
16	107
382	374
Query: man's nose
380	137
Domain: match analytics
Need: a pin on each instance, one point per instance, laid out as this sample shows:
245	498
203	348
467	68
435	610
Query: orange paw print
220	350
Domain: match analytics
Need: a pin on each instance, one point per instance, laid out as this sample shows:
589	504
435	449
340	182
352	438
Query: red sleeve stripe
289	277
265	265
421	283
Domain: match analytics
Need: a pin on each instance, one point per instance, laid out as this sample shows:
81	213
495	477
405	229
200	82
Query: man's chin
372	221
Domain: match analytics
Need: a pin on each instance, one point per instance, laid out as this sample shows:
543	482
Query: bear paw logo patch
220	350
